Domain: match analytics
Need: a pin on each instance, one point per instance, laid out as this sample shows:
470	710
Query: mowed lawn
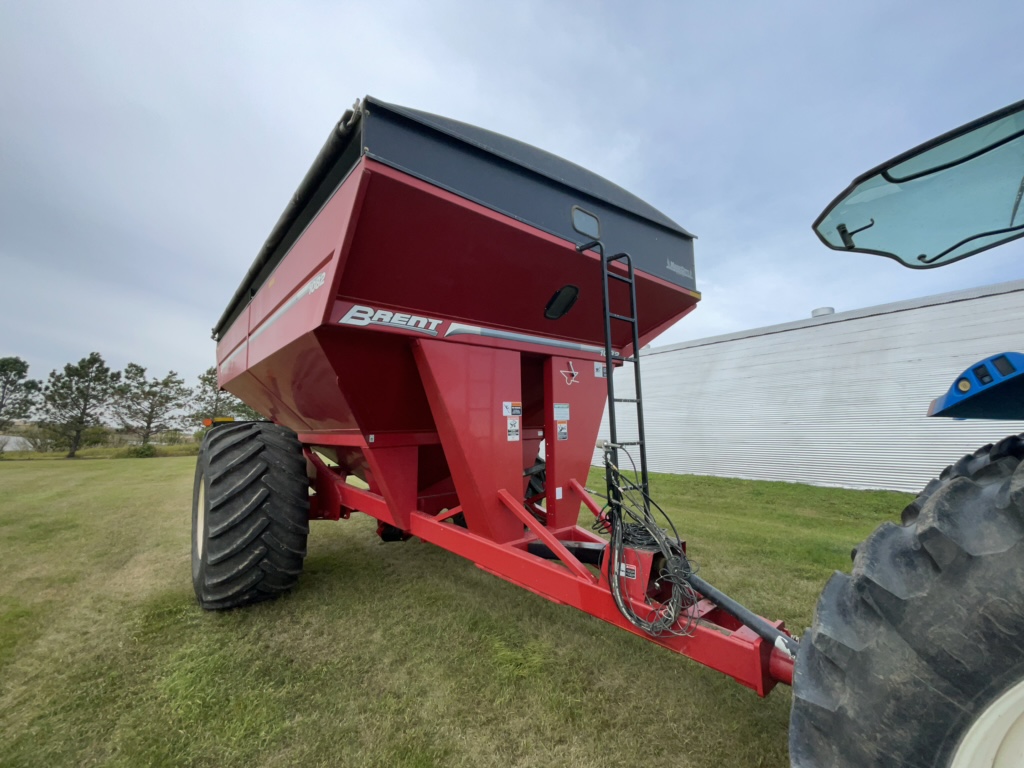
387	654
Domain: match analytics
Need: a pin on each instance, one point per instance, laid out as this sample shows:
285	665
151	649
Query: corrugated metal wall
838	400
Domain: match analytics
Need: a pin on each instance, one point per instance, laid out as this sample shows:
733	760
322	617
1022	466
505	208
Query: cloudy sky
147	149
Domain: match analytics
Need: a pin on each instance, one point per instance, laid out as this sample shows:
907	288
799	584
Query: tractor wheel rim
996	738
201	516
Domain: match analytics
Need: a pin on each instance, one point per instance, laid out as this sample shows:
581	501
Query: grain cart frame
436	304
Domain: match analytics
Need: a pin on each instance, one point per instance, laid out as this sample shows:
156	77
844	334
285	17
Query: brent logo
362	316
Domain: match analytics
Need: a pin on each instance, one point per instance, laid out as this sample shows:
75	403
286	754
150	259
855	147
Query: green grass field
386	654
102	452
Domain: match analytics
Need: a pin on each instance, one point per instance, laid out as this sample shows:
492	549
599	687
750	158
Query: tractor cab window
948	199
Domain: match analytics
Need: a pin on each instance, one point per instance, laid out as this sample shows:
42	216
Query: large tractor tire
917	657
250	515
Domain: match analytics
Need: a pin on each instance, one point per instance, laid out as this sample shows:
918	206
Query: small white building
14	443
836	400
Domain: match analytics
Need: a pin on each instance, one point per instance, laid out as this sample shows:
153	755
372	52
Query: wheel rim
996	738
201	516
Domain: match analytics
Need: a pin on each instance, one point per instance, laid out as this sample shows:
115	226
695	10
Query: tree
147	406
209	401
75	400
18	394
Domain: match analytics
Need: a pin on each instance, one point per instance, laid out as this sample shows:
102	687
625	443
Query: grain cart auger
439	303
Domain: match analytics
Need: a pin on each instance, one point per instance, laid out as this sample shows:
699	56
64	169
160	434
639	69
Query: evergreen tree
209	401
18	393
76	399
148	407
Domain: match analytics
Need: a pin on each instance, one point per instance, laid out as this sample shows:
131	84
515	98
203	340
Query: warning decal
509	408
513	429
627	571
601	370
571	374
562	428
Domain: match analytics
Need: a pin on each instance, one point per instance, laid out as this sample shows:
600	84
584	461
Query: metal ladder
614	496
761	627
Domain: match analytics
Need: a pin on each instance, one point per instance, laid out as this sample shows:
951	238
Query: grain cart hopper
431	329
437	304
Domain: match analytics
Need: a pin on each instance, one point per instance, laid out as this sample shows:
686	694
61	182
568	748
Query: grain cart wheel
538	475
250	514
537	478
917	657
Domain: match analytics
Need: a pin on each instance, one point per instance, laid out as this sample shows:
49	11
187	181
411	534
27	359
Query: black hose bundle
628	518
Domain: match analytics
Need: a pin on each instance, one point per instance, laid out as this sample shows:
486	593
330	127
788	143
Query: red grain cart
430	330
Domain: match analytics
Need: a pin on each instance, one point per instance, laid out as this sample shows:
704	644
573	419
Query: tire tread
904	651
257	519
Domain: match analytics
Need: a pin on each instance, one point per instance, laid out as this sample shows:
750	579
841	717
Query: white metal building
834	400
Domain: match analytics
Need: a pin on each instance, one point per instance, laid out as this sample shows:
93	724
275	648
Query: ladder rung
629	278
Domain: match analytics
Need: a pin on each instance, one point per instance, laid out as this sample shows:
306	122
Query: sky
146	150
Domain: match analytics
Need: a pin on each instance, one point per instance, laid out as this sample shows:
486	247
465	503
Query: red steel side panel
282	368
393	243
426	251
467	387
295	298
575	395
395	473
377	378
233	348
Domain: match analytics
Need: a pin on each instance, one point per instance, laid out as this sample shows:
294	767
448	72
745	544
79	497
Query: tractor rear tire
250	514
915	659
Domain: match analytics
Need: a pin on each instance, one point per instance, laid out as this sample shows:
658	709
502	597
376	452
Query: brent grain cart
431	331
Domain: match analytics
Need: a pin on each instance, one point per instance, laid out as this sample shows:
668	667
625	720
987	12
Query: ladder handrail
614	495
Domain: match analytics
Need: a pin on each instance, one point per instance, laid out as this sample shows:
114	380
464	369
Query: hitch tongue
748	618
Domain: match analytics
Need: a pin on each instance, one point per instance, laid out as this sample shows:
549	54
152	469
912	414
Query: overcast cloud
146	149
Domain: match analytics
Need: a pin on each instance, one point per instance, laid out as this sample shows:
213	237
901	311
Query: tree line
75	404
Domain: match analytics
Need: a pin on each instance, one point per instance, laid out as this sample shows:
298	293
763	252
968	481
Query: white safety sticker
601	370
509	408
627	571
558	493
513	429
561	411
562	429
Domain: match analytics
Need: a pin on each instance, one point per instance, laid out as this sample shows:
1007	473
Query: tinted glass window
942	204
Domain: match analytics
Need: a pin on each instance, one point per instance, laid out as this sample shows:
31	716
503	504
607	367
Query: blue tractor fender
992	388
